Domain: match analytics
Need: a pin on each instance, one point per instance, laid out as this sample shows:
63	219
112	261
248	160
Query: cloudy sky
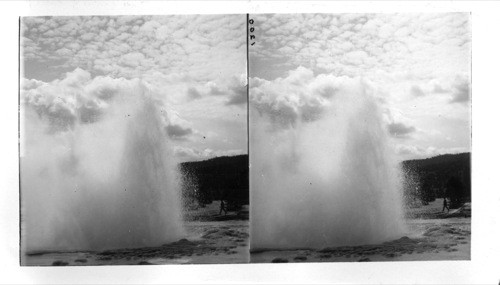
418	66
194	65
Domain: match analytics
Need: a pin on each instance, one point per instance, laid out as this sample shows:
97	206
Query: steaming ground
209	238
431	235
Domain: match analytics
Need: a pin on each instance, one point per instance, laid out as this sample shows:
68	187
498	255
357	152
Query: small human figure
222	207
445	205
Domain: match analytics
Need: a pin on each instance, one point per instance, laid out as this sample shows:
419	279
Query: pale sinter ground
210	238
432	235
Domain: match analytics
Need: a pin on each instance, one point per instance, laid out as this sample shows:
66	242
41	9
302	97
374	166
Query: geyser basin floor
208	240
428	239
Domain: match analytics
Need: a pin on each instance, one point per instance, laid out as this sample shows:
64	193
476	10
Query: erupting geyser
110	182
322	174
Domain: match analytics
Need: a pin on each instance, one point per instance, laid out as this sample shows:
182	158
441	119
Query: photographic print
133	140
360	137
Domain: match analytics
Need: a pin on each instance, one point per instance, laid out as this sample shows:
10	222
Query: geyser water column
109	183
321	170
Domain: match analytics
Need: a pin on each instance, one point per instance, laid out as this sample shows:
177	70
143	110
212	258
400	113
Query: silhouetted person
222	207
445	205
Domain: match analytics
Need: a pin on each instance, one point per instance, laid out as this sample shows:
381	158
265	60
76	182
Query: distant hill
217	178
447	175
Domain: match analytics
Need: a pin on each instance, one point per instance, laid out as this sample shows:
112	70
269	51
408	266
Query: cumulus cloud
418	152
416	91
214	89
193	93
238	96
237	92
178	132
187	62
61	101
439	89
404	57
205	46
299	96
190	154
76	98
408	150
400	130
350	44
285	100
461	93
132	59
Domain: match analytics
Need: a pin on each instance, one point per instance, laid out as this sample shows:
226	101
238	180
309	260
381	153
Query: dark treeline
441	176
215	179
226	178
